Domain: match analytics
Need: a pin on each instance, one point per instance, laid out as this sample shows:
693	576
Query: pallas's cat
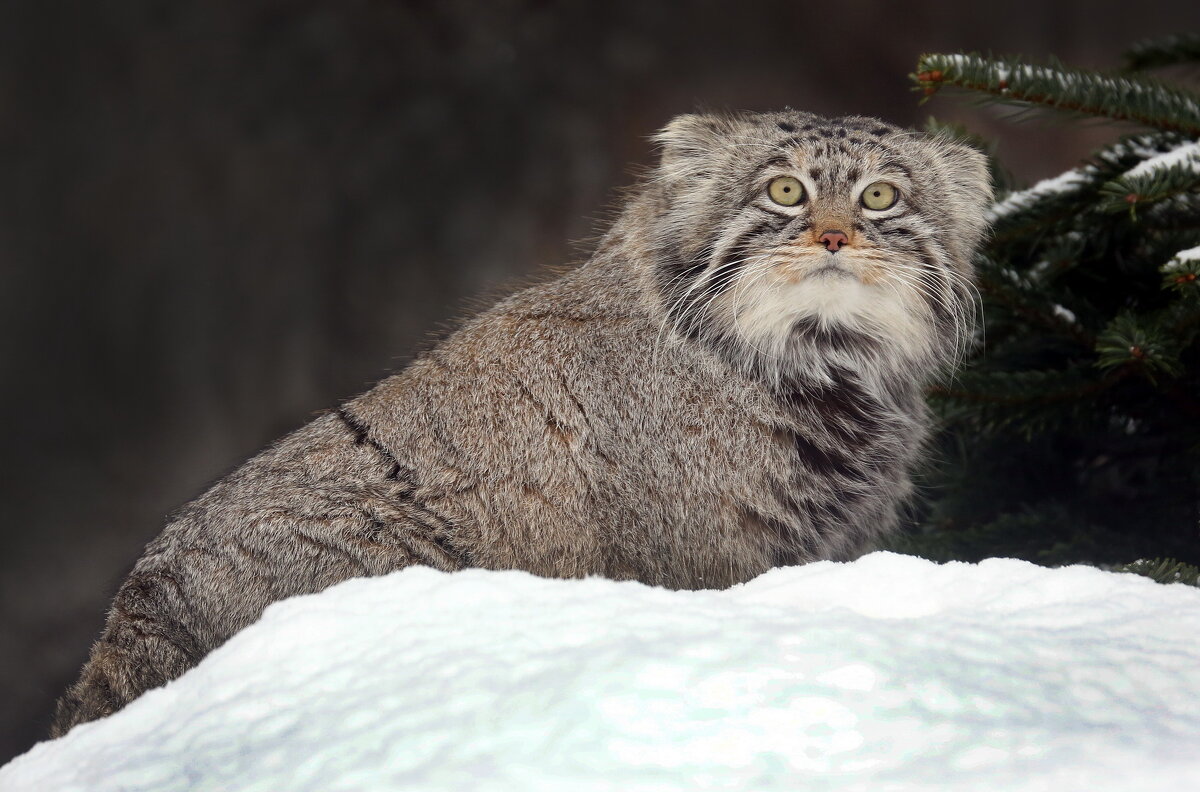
731	383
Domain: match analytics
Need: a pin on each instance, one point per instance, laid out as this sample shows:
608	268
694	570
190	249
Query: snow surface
889	673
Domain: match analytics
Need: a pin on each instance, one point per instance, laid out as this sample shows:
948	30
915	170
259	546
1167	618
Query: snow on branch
1185	156
1064	184
1182	272
1161	165
1159	178
1189	255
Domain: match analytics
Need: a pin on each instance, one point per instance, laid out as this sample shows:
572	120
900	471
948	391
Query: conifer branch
1182	272
1030	387
1167	51
1139	344
1088	374
1164	570
1159	178
1024	402
1179	213
1054	201
1141	100
1019	302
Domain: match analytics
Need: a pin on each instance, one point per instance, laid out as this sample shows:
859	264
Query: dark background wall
219	217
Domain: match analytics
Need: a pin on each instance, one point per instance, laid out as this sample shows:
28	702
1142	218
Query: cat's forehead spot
829	142
805	128
838	161
830	153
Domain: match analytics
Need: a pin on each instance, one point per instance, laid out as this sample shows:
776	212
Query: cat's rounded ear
968	179
968	164
686	140
965	167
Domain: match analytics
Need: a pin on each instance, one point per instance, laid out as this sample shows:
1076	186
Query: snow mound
889	673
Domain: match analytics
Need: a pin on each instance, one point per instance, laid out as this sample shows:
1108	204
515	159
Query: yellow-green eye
786	190
879	195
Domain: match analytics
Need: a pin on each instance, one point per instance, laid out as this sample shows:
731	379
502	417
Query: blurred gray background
217	218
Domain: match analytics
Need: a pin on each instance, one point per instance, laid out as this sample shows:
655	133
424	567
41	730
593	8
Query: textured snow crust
889	673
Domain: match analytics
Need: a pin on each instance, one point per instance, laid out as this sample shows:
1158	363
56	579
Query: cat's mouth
806	263
826	267
831	270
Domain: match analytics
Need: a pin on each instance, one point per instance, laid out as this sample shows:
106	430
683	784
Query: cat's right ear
687	140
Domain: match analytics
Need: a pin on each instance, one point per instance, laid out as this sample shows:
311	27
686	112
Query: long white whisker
704	283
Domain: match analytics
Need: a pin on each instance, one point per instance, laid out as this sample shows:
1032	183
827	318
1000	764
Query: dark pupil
789	189
877	193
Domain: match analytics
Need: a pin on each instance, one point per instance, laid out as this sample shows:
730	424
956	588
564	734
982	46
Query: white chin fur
766	313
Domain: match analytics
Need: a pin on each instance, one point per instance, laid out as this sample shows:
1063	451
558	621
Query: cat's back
566	432
305	513
562	432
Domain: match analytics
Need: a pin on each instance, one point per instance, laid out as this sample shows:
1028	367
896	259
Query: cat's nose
833	240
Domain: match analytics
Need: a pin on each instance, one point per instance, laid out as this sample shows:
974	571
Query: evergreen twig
1054	201
1163	570
1073	434
1164	176
1167	51
1139	99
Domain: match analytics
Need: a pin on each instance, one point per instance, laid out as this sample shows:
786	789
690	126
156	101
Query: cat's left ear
965	167
968	179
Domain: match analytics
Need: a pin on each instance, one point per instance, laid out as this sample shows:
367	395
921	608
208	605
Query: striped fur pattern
713	394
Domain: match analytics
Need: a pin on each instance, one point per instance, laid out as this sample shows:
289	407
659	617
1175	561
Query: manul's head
796	243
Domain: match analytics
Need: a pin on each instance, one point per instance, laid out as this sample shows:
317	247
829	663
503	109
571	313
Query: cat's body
647	416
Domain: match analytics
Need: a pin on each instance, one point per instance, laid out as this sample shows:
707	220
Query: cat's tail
140	649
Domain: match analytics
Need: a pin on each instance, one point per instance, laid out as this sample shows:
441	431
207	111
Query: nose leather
833	240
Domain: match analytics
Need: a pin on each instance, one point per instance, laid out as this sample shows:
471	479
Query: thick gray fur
703	400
